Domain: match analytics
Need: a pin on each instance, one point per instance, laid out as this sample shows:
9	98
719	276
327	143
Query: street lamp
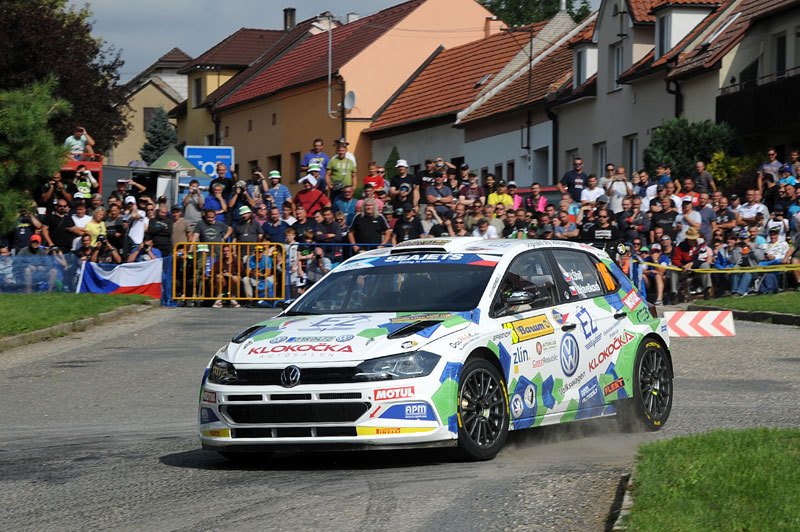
329	28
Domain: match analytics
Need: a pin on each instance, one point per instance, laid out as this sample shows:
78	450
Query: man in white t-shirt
590	194
484	230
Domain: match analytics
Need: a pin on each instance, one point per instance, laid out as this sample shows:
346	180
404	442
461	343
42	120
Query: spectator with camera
317	266
104	252
237	200
85	250
54	191
147	251
193	204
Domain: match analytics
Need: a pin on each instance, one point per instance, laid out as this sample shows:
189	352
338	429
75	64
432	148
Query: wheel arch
486	354
657	338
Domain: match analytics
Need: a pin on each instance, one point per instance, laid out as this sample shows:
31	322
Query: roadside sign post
205	158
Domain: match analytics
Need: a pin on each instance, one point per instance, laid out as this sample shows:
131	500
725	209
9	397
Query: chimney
563	7
491	26
352	17
289	18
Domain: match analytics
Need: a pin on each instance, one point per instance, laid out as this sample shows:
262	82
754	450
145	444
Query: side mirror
520	297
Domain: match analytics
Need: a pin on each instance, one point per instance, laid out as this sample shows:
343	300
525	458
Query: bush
733	174
682	143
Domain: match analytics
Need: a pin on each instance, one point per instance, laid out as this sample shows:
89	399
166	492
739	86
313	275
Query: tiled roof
585	35
451	81
179	110
547	76
289	39
663	4
308	60
237	50
639	10
706	55
648	64
176	55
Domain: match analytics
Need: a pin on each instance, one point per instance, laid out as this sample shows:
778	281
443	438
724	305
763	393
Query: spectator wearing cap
215	201
663	174
315	156
369	227
342	171
547	232
440	196
407	227
691	253
573	181
311	198
786	175
463	173
403	200
703	180
277	194
591	192
238	198
687	219
471	191
516	199
33	265
501	195
346	204
402	176
247	230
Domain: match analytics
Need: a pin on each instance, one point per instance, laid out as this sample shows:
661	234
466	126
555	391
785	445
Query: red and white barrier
703	323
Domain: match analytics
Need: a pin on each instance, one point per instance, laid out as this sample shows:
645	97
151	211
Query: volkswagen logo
569	354
290	376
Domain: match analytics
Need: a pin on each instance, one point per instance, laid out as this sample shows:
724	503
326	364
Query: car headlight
222	372
406	366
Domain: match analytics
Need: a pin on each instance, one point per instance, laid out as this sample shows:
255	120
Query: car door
530	339
589	325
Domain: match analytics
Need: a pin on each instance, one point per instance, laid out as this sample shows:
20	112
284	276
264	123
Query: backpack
769	284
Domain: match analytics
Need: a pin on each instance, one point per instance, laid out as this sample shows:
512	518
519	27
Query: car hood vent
247	333
415	250
412	328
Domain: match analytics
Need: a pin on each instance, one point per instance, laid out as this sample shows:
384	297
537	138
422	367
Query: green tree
43	38
519	12
394	156
682	143
28	151
160	135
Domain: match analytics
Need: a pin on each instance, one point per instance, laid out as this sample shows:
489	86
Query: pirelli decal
385	431
529	328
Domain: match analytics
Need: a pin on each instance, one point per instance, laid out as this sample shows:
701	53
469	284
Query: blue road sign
205	158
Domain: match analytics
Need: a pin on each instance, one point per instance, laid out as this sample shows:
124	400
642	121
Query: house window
510	170
600	158
148	115
632	152
249	125
210	140
197	91
252	165
295	169
580	67
274	118
779	42
616	66
226	132
484	173
663	29
498	172
749	75
274	162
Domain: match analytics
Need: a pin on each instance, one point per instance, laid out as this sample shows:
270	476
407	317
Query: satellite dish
349	100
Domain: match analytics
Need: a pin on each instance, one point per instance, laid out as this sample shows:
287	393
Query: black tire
246	458
483	411
649	408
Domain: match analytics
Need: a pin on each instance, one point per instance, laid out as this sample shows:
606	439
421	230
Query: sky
144	30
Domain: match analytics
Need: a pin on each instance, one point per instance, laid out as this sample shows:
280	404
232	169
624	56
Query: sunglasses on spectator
381	171
602	216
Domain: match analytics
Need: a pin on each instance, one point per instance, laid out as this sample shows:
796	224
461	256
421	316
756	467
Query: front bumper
403	413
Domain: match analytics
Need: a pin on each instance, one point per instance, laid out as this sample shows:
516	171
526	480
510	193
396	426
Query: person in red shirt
375	177
311	198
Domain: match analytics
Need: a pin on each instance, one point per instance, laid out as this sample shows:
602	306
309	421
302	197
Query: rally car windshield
398	288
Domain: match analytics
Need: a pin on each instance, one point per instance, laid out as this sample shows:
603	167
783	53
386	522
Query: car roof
499	246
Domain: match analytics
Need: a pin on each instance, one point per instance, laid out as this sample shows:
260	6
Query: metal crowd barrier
227	270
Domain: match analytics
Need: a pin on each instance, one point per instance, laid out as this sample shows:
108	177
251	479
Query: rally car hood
336	338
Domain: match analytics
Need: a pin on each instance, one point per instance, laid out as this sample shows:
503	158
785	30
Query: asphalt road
98	433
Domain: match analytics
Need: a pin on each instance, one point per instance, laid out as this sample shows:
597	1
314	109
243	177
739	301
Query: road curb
777	318
627	504
82	324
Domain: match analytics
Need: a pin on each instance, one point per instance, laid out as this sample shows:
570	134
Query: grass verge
785	302
722	480
30	312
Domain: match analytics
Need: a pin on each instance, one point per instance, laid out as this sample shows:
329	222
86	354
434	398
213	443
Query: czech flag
133	278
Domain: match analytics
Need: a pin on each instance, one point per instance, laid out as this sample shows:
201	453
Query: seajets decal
618	343
529	328
425	257
386	394
300	348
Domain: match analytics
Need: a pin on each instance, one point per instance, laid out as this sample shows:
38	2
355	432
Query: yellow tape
749	269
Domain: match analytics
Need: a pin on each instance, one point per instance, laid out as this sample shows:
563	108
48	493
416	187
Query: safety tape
738	269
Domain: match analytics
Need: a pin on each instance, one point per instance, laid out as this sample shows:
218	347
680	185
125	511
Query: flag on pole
133	278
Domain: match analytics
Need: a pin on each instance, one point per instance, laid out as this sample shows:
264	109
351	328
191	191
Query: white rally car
442	342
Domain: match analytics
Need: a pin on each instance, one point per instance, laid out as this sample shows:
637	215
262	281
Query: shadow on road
382	459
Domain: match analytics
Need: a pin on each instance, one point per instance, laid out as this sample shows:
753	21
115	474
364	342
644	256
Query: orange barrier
227	271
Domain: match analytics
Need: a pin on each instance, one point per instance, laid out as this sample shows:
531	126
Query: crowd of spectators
671	224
